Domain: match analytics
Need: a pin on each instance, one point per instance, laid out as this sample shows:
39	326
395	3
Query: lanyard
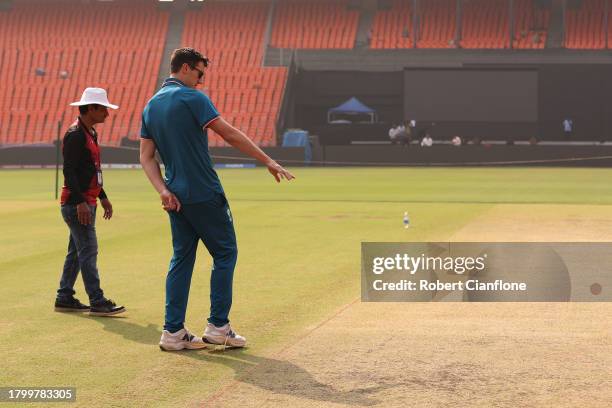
95	151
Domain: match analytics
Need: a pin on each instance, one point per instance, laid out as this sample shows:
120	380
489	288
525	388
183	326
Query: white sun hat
94	96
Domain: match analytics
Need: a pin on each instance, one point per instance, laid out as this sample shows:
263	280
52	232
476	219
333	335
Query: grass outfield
298	261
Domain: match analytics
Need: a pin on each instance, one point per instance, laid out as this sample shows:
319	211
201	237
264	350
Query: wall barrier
594	155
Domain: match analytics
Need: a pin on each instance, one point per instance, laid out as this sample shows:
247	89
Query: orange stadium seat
115	45
485	24
393	28
585	25
232	36
314	24
437	24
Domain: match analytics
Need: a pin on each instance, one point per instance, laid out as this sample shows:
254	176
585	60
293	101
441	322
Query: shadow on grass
121	325
276	376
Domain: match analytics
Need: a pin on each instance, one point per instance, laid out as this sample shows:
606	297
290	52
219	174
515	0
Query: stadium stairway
269	26
531	22
364	28
176	23
555	25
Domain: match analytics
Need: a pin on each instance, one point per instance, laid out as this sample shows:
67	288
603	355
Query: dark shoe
105	308
70	305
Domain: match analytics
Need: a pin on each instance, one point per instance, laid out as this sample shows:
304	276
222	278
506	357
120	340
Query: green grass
299	259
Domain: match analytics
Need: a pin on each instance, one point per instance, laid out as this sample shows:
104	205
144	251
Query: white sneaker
180	340
223	336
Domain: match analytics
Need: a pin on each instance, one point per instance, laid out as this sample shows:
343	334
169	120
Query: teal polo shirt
176	118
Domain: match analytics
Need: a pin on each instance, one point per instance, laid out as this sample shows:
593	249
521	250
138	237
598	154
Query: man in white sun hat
82	187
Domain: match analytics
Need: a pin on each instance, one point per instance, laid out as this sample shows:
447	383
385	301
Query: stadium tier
314	24
50	50
245	92
484	24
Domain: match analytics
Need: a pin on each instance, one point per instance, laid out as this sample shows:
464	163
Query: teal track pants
211	222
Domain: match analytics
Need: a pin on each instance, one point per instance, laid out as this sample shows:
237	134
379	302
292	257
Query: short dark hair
83	109
187	56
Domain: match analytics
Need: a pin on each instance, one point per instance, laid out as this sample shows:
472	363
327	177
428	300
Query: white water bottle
406	220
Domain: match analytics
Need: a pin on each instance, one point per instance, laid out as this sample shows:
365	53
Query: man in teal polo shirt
175	122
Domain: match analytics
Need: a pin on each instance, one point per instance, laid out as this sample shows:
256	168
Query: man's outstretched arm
239	140
151	168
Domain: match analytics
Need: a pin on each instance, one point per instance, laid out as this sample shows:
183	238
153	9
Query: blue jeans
82	255
211	222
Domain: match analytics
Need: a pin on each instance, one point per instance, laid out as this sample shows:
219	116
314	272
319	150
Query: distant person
175	123
404	135
393	131
399	134
456	141
82	188
427	141
412	126
568	127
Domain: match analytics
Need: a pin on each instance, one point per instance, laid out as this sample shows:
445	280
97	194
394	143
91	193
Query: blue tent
353	106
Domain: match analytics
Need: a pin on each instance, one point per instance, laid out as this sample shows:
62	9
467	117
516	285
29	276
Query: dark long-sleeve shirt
81	165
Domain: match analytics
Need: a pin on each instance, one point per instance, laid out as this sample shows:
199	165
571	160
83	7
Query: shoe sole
116	312
221	342
70	310
181	346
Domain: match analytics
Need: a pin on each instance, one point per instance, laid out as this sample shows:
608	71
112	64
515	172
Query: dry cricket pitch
450	354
